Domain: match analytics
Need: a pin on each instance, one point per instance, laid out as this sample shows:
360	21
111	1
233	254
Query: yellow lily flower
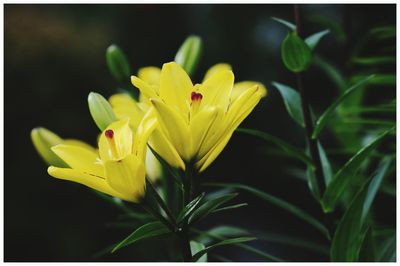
196	121
118	169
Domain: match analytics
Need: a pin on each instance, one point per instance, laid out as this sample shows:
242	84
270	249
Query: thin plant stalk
305	106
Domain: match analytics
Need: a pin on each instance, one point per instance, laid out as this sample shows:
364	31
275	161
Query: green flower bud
189	53
296	54
118	63
43	139
100	110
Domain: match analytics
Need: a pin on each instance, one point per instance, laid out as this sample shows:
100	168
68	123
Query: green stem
147	207
305	106
187	197
160	201
188	184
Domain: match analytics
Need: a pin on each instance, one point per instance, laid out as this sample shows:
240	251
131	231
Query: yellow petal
160	143
121	144
145	88
153	166
124	106
215	69
241	87
145	128
242	107
175	86
201	124
127	176
212	154
239	110
79	158
216	90
79	143
95	182
175	127
151	75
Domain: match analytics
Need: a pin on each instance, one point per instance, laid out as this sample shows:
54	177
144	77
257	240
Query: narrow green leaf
374	60
118	63
343	177
292	101
190	208
348	237
331	71
326	165
291	150
388	251
209	206
222	243
295	53
324	118
196	247
378	79
313	40
214	235
383	32
277	202
288	24
145	231
223	231
288	240
367	250
230	207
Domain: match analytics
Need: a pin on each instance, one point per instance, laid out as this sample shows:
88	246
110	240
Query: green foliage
278	202
295	53
148	230
292	101
222	232
313	40
209	206
221	243
196	247
291	150
118	63
190	208
324	118
344	177
286	23
348	238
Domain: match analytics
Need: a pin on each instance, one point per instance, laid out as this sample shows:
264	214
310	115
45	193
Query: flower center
111	142
195	96
109	133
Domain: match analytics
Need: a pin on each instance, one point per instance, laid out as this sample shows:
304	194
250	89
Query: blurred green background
55	55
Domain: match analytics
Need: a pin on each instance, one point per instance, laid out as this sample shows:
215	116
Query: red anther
109	133
196	96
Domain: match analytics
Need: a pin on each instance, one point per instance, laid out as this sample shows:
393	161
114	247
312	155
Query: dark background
55	55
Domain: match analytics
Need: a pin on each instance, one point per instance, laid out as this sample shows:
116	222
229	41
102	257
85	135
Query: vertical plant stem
313	143
187	197
188	184
160	201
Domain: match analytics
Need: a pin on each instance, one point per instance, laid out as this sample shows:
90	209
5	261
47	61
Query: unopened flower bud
100	110
189	53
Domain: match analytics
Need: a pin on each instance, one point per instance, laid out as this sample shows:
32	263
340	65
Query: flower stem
187	197
305	106
160	201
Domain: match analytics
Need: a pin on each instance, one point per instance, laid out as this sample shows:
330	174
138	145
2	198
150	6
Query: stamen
195	96
109	133
111	142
